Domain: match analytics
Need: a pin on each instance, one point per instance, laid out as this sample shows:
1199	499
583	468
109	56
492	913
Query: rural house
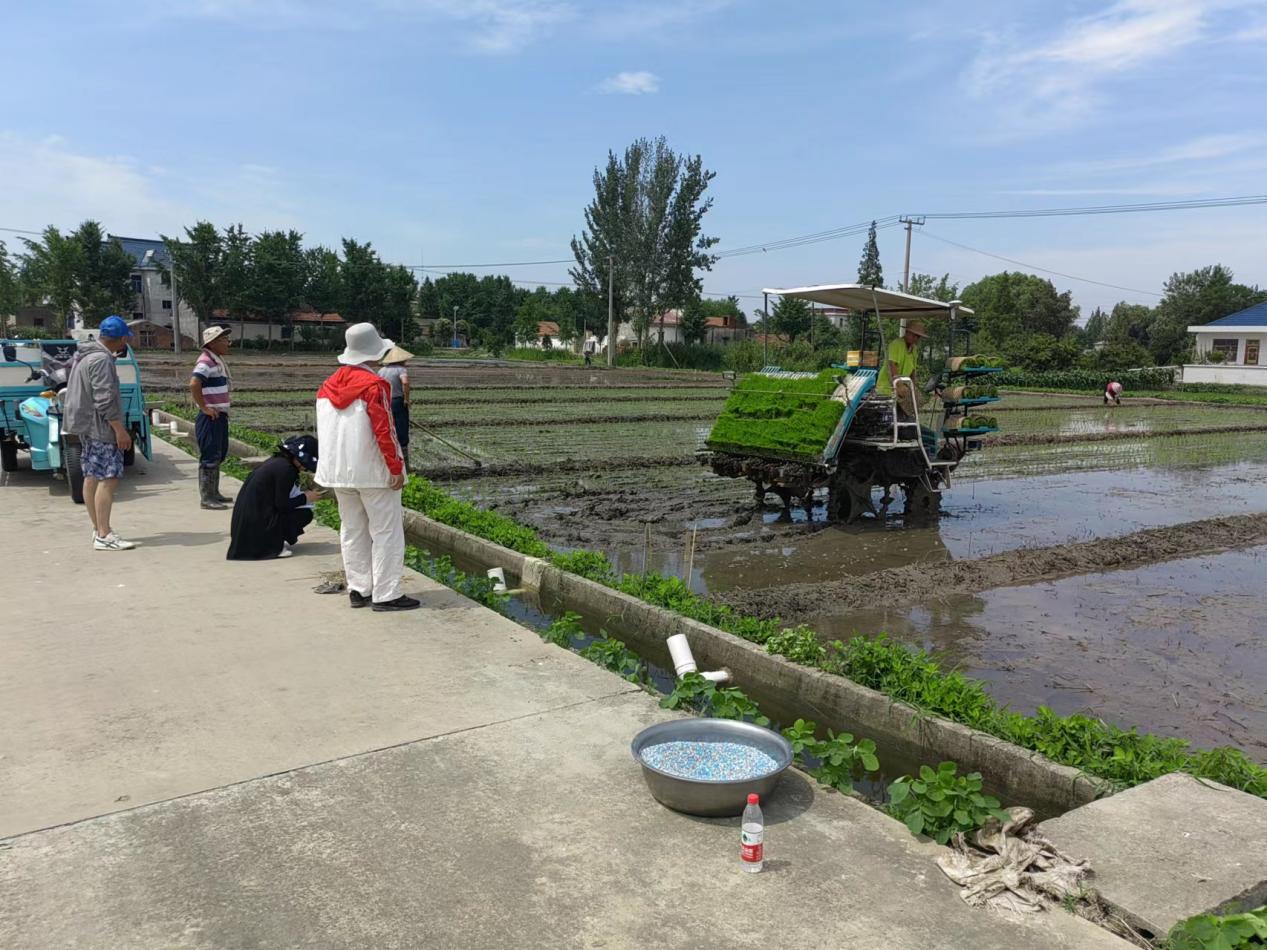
152	285
1230	350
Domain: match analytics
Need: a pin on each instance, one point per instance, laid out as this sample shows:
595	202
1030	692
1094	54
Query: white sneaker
287	550
112	542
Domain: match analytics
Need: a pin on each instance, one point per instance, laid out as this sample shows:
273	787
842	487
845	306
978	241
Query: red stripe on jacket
350	383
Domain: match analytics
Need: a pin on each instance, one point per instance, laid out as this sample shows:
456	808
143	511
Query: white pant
372	537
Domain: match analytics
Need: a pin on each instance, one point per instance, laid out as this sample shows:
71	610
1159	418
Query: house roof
547	328
1251	318
299	316
138	246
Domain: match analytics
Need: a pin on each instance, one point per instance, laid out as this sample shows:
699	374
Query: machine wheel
8	455
921	501
71	452
847	500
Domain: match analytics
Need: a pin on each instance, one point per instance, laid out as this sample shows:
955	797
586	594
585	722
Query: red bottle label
751	852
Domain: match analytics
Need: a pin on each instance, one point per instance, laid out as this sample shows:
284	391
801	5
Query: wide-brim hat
211	334
362	344
303	449
916	327
397	354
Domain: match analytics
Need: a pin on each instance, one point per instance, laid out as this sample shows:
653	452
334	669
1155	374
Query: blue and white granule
709	761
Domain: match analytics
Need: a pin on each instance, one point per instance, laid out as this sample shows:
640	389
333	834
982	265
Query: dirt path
914	583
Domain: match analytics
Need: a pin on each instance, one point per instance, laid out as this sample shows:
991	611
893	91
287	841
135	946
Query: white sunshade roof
861	297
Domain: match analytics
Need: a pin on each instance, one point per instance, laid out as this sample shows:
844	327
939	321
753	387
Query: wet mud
1175	648
916	583
1055	438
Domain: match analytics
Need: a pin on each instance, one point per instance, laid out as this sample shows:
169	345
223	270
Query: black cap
302	448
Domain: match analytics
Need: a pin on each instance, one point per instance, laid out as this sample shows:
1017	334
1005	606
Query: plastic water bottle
752	836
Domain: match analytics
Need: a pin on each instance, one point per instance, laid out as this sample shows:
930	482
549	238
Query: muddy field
1059	570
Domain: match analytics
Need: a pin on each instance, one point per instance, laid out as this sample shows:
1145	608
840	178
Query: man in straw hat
396	371
209	385
902	361
362	461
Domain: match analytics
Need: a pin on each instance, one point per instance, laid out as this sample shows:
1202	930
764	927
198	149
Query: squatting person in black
270	512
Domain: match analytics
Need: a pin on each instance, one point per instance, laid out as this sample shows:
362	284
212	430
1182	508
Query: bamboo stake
690	560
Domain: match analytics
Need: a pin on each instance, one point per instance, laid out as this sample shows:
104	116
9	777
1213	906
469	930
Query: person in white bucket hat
361	460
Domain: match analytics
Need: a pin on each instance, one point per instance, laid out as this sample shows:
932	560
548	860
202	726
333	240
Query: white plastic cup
680	653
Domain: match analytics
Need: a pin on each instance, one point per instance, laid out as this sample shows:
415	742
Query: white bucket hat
363	345
211	334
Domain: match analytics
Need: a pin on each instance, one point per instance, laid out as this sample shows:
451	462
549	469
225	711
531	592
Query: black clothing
265	515
400	416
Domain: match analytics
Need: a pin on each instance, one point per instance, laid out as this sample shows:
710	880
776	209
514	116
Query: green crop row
1123	757
1086	380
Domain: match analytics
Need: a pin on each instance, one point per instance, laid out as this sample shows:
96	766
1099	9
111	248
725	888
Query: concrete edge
243	450
834	701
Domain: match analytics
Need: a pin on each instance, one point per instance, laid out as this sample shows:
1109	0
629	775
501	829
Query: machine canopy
860	297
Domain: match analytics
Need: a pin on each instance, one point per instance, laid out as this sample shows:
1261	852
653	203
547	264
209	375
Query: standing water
752	836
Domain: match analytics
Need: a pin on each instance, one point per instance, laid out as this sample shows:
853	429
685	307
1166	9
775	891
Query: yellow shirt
903	357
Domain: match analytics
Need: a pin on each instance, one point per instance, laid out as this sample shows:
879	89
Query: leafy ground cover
788	418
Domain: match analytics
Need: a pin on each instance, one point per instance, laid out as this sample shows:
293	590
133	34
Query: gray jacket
92	399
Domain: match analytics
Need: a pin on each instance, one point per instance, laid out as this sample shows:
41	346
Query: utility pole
906	269
175	313
611	311
765	330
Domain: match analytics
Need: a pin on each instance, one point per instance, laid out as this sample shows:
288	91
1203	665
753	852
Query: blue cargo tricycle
33	374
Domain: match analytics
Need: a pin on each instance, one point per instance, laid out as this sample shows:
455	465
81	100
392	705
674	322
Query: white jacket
356	440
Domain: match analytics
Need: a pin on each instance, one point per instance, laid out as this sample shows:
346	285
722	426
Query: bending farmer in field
94	413
209	385
361	460
271	512
1113	394
902	361
396	371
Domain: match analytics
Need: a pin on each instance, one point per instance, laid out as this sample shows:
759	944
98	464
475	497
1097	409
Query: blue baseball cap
114	327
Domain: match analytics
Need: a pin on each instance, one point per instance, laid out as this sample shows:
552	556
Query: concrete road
202	754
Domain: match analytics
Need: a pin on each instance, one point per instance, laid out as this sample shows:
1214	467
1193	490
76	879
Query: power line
1192	204
1045	270
452	267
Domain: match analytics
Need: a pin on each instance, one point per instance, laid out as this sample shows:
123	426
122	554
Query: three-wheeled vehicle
874	445
33	374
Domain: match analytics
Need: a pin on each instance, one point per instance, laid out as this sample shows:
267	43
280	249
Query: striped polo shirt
215	379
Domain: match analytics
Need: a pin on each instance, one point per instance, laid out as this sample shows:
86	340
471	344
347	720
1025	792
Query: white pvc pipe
498	577
684	660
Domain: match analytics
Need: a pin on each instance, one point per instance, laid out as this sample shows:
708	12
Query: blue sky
451	132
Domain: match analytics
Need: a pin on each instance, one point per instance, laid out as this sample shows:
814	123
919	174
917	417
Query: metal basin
710	798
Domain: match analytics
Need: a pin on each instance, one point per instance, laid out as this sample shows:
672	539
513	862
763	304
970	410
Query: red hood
351	383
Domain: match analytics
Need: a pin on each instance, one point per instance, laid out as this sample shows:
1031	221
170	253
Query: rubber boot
215	488
205	490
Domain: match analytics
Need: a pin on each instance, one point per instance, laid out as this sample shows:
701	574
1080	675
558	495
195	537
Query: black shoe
358	600
403	602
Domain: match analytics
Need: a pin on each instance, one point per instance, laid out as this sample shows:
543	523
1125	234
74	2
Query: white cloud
1051	83
492	26
630	84
50	181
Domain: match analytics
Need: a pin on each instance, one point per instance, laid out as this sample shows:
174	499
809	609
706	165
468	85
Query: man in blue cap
94	412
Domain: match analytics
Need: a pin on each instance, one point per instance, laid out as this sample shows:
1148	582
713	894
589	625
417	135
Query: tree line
80	271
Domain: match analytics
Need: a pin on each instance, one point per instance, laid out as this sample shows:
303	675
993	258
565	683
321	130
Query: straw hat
916	327
398	354
363	345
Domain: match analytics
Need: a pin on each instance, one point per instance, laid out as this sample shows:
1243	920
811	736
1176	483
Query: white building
152	284
1240	340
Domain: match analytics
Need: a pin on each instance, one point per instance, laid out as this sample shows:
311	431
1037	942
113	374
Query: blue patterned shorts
101	460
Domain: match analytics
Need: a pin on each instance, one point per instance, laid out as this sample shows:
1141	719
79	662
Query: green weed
1207	932
839	757
942	802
